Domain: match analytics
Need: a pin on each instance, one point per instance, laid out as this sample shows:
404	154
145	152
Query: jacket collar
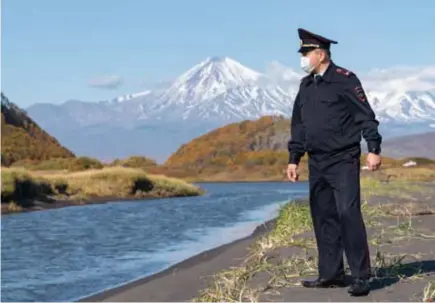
327	75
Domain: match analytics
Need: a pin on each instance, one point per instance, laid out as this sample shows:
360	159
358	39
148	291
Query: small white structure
409	163
365	167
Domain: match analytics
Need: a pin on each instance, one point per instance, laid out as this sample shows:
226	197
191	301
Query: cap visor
305	49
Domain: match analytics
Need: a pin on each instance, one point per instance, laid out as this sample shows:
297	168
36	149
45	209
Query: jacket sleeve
363	113
297	134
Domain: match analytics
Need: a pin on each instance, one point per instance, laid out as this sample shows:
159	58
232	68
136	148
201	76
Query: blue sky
53	49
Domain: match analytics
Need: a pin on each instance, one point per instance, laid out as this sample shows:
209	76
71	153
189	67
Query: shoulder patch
359	91
343	71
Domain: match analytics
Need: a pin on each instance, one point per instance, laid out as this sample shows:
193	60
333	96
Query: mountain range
215	92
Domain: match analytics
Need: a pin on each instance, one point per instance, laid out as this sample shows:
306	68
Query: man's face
315	56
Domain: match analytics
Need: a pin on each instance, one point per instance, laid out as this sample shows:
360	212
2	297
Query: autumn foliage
22	138
232	144
55	164
249	150
135	162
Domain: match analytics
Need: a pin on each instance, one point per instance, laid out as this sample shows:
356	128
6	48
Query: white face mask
306	65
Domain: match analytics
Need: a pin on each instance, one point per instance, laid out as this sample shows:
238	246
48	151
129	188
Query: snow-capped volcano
218	91
223	89
211	77
220	88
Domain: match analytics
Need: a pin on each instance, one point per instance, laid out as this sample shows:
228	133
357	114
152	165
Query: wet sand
183	281
402	247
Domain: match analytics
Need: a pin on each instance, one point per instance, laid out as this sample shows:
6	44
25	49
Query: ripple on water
65	254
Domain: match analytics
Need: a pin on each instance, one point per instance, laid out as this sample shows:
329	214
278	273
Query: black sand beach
184	280
402	244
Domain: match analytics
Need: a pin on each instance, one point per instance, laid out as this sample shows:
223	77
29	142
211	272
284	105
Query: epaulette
343	71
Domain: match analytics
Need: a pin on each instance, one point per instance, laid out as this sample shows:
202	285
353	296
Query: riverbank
25	190
182	281
400	219
421	173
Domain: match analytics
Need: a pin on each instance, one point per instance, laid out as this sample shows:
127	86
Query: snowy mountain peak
404	107
227	67
218	91
210	78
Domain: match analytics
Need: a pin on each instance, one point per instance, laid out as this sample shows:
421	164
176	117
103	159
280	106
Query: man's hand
373	161
292	172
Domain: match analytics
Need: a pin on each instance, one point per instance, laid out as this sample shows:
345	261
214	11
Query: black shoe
360	287
322	283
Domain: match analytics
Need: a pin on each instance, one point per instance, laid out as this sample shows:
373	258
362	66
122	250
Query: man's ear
324	56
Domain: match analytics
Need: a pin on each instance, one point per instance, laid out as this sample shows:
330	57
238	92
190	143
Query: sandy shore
402	246
184	280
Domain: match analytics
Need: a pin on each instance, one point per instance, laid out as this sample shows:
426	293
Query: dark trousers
336	212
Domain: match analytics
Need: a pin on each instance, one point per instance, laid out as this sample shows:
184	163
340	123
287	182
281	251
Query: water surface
69	253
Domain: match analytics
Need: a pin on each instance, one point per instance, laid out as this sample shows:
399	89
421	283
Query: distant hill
251	149
226	143
418	145
23	139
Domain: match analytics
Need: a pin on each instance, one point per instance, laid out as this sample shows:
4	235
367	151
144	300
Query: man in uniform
330	113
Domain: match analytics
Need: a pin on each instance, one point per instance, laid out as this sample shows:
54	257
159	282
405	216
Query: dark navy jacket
330	114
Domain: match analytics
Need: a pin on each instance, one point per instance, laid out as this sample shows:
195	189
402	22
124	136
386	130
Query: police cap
310	41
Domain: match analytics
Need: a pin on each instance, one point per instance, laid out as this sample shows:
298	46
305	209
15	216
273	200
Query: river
68	253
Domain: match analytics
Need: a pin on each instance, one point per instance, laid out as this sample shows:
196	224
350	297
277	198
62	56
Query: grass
391	170
429	292
371	186
417	174
233	285
292	219
120	182
20	185
395	266
263	260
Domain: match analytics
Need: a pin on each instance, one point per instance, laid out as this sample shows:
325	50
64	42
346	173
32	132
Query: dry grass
429	292
112	182
13	207
8	177
285	272
418	174
120	182
391	170
233	285
405	192
20	183
396	266
408	209
372	186
237	284
258	173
